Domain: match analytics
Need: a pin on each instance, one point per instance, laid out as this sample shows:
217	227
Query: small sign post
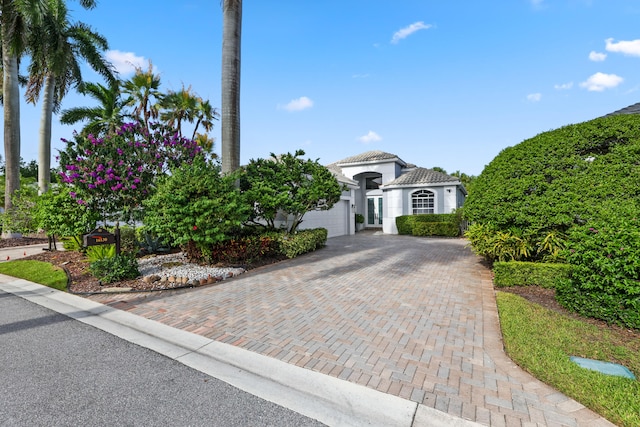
100	236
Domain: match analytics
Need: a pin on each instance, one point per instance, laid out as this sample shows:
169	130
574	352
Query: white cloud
360	76
125	63
299	104
600	81
597	56
630	47
563	86
534	97
370	137
407	31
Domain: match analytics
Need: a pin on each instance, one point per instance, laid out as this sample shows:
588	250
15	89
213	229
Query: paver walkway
413	317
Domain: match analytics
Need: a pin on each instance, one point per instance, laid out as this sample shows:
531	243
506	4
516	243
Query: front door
374	211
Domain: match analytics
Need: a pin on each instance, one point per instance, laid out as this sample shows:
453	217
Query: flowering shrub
605	281
112	175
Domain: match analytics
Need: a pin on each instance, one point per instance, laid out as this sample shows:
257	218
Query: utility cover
607	368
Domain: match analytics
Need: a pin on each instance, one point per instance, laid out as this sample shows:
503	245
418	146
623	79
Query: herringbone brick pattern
413	317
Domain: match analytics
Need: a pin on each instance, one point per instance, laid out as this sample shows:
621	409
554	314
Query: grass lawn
541	340
36	271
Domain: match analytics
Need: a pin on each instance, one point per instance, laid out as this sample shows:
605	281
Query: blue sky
439	83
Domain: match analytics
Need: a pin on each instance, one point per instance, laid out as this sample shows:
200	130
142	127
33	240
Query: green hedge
520	273
429	225
292	245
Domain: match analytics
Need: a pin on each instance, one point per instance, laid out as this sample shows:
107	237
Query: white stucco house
381	186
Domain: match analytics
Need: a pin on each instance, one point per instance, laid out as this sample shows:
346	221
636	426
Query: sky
438	83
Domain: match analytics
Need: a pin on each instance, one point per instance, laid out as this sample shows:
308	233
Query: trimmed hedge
429	225
292	245
520	273
605	283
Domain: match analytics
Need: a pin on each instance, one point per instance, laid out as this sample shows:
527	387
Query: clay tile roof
337	172
369	156
422	176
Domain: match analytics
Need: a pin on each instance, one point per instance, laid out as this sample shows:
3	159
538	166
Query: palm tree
143	89
103	119
230	126
56	46
178	107
205	115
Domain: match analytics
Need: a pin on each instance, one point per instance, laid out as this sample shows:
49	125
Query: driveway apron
412	317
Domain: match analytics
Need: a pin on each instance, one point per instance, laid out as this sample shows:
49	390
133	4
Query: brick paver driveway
413	317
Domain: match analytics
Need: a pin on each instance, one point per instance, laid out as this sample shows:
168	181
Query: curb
327	399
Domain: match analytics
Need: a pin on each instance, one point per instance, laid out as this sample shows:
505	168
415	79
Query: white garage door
334	220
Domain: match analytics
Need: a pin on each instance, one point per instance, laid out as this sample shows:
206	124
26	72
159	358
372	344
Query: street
56	371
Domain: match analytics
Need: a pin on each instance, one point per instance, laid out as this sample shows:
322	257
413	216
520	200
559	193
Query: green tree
57	46
103	119
289	185
230	119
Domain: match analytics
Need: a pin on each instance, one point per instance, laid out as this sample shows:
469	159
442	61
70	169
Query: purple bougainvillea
114	174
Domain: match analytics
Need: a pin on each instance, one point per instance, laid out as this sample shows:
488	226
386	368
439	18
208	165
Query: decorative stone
172	279
151	279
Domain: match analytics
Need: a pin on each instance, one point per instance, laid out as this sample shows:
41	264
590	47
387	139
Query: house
381	186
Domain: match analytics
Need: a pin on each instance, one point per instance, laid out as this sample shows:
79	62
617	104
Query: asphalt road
55	371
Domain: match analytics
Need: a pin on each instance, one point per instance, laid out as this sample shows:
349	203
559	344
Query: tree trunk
44	152
230	114
11	95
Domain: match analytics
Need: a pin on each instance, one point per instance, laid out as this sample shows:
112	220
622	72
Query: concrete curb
327	399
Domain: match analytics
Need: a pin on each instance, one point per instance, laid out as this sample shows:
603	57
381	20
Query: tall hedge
560	178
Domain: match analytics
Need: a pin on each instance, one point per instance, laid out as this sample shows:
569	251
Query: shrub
404	224
246	249
72	243
292	245
128	239
605	283
58	214
196	206
20	218
561	178
429	225
448	229
120	267
514	244
518	273
96	253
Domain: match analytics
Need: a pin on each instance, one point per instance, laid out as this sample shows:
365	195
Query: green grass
541	341
37	272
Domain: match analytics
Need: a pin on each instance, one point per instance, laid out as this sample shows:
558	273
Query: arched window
422	202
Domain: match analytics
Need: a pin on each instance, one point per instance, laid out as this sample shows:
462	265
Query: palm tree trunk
230	114
44	152
11	95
